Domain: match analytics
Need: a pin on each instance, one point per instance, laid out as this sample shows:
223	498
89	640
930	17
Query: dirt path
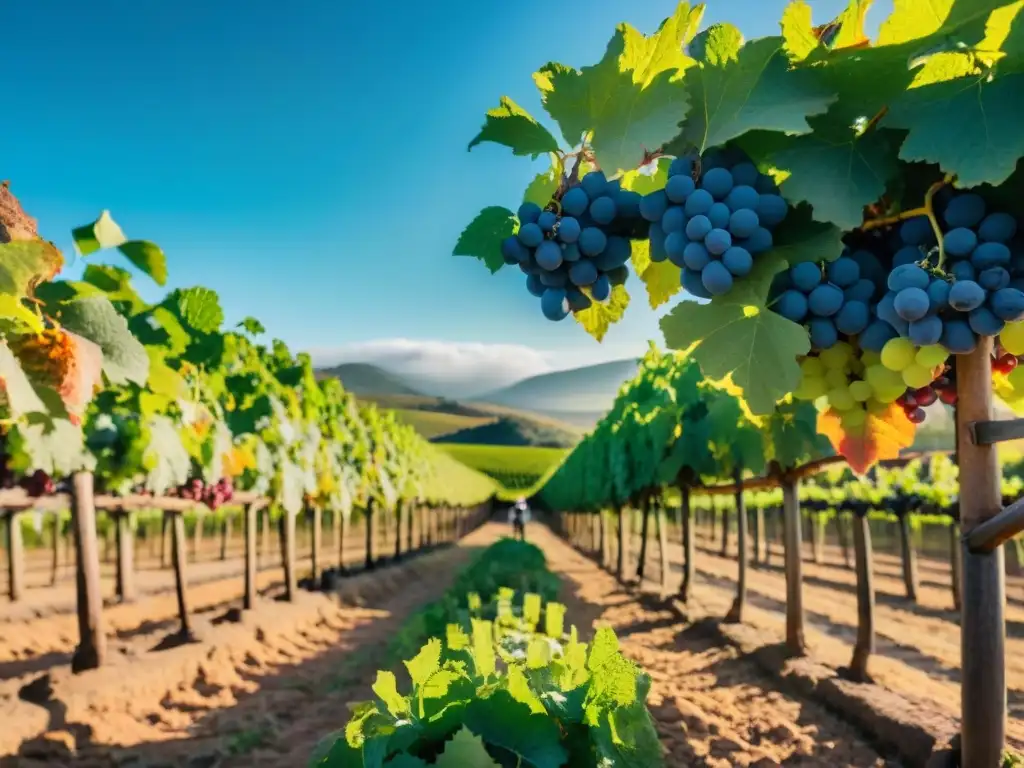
257	693
712	708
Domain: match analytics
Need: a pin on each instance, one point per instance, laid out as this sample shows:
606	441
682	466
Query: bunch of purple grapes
711	220
213	496
580	242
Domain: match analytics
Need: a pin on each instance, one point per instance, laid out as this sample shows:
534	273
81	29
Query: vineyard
215	557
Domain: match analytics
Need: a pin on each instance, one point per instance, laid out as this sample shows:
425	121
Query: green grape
810	388
836	377
841	399
854	418
916	376
880	377
931	356
869	358
1012	337
861	391
836	356
1016	379
898	353
812	366
876	406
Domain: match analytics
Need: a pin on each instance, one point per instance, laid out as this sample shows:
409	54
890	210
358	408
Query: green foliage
517	469
503	691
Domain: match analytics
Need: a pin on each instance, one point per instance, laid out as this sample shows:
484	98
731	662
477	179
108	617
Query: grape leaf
793	433
512	126
386	687
799	239
102	233
969	125
503	722
661	278
798	38
95	319
740	88
147	257
169	464
426	663
599	316
464	751
881	437
630	101
544	185
252	326
836	171
199	308
57	448
24	264
19	394
737	335
482	238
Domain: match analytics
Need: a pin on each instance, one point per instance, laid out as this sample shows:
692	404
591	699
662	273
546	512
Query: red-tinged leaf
880	437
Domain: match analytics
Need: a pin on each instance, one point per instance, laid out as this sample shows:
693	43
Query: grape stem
874	121
928	197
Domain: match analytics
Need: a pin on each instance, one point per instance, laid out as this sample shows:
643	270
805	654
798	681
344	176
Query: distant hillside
514	431
365	379
433	424
588	390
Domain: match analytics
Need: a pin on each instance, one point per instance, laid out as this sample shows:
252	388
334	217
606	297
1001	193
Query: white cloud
449	367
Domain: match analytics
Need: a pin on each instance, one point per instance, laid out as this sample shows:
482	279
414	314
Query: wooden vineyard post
225	537
344	518
288	520
841	534
249	597
661	524
606	539
620	567
410	520
863	556
688	544
265	537
15	558
794	566
369	562
726	525
983	628
735	614
759	532
92	642
956	564
55	552
179	557
398	530
908	557
126	591
641	563
165	522
315	545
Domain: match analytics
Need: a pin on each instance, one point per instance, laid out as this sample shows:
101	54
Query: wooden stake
92	643
126	591
15	558
794	567
180	562
983	627
249	597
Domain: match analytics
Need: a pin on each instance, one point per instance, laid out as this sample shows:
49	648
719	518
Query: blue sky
310	164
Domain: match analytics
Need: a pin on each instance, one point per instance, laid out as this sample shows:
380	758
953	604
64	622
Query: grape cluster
212	496
39	483
712	223
582	241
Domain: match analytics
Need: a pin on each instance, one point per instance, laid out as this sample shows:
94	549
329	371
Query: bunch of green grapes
855	382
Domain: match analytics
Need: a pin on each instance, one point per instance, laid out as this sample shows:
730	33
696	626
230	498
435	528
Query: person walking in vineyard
519	516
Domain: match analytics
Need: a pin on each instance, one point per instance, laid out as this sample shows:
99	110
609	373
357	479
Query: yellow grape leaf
598	317
881	437
660	277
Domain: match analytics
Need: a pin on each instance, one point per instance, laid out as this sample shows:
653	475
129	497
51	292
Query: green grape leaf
969	125
736	335
386	687
95	319
599	316
544	185
483	648
482	238
797	239
426	663
24	264
690	450
252	326
660	278
630	101
102	233
512	126
464	751
794	437
519	688
402	760
57	448
19	395
837	172
199	308
745	87
166	459
501	721
147	257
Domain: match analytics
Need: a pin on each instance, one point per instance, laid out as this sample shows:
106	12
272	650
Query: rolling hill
514	430
364	379
585	391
